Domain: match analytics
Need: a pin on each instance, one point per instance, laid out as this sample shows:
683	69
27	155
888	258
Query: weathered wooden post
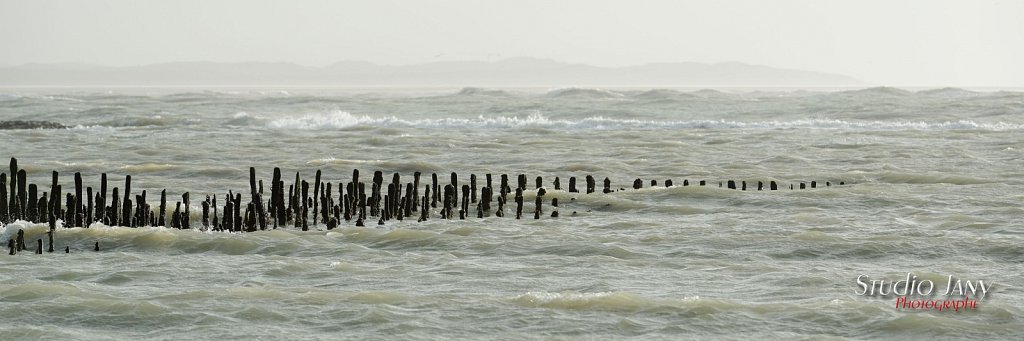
668	183
557	184
163	208
12	206
88	210
78	215
703	183
607	185
760	185
638	184
305	206
101	204
803	185
521	181
21	240
540	182
39	246
464	210
126	209
591	184
425	212
773	186
436	189
536	207
519	203
33	212
187	219
554	207
238	212
22	193
316	197
472	188
4	206
485	203
49	236
732	184
206	213
814	184
12	246
415	190
572	185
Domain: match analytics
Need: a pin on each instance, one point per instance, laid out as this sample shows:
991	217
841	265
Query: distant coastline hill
509	72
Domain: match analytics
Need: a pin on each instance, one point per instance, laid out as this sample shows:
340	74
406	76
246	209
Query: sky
891	42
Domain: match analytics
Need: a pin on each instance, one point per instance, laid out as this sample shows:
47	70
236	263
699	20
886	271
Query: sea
923	186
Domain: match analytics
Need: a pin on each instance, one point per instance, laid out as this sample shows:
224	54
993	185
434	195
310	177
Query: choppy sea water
933	187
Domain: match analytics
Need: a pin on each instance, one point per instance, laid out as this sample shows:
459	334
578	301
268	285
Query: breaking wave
341	120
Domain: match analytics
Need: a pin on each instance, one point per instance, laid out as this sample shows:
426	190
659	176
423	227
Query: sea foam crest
341	119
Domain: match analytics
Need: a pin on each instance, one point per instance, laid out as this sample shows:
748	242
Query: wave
590	93
342	120
473	91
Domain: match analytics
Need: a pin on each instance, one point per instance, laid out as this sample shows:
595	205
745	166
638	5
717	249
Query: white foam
341	119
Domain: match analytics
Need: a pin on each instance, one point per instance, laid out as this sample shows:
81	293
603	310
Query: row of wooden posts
385	202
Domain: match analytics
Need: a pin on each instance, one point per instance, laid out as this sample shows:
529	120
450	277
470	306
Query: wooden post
485	202
4	206
591	184
39	246
814	184
316	197
187	219
425	212
732	184
22	194
519	203
554	209
12	206
668	183
572	185
276	197
238	212
12	246
305	206
163	208
521	181
206	213
557	184
49	236
446	212
126	210
464	210
33	212
433	199
638	184
539	182
536	207
78	215
607	185
760	185
414	200
101	204
803	185
44	210
686	182
773	186
472	188
703	183
21	240
229	216
88	208
114	202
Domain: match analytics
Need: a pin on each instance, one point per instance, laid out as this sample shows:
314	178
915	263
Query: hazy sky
889	42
